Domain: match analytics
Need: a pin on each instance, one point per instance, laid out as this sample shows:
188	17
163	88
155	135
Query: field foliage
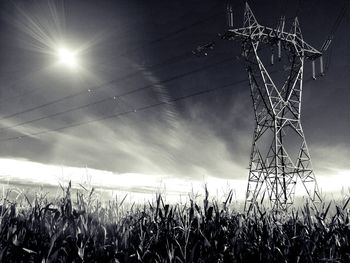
80	229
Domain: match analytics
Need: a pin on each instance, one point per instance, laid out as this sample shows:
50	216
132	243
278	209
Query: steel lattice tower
273	169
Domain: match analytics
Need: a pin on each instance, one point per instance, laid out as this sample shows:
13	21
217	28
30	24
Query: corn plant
80	228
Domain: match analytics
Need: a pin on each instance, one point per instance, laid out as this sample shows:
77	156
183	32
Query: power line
143	108
126	112
102	86
177	31
167	62
129	111
116	96
331	36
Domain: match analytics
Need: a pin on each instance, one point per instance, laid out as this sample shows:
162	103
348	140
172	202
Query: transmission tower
279	155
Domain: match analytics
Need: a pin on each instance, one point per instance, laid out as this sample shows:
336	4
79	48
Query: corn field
80	229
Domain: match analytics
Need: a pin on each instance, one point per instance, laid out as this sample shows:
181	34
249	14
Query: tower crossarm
292	40
259	33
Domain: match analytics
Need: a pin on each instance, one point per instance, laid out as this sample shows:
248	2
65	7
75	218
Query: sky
132	54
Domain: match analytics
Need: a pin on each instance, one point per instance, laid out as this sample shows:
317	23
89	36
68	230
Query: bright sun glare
67	57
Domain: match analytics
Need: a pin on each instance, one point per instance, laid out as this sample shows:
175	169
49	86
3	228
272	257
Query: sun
67	57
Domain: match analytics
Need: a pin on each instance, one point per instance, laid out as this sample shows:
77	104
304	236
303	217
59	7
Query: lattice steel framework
273	170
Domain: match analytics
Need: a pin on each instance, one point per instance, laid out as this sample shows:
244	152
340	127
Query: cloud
124	145
328	158
24	174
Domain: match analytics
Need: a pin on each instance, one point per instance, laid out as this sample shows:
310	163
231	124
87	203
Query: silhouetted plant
86	231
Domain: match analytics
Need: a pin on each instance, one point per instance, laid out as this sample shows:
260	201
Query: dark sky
128	45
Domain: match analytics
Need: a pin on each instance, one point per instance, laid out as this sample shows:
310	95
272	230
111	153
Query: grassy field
80	229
